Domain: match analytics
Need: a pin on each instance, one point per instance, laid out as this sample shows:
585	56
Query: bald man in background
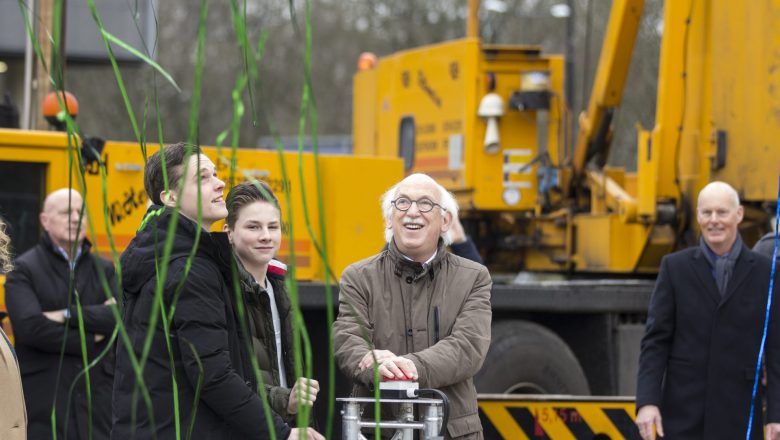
42	306
704	327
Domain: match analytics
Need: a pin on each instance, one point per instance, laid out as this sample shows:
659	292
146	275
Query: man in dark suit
704	328
41	301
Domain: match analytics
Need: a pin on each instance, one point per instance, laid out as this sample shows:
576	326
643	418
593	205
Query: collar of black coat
402	264
731	255
738	249
148	246
742	269
275	272
49	245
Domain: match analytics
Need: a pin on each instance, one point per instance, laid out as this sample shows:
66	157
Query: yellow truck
490	122
34	163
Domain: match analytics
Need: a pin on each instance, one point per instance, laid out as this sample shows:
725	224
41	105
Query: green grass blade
113	39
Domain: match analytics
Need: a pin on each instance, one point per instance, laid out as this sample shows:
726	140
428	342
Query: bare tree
341	30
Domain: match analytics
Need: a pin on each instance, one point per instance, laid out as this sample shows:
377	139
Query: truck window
406	141
22	189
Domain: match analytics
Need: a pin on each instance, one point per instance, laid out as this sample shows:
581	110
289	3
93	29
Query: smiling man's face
416	234
719	215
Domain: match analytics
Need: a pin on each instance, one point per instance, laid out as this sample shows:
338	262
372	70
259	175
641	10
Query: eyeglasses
423	205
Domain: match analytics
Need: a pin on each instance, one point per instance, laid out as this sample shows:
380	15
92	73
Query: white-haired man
704	329
425	311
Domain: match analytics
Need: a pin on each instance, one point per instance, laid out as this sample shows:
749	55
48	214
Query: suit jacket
700	351
39	283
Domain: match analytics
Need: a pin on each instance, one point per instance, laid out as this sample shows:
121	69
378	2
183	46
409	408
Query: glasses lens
424	205
403	204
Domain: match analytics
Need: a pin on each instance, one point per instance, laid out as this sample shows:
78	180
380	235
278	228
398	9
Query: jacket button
409	332
409	280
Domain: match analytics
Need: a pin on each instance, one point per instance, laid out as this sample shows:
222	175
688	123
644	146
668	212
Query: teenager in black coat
205	351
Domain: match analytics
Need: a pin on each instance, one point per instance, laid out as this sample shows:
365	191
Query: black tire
527	358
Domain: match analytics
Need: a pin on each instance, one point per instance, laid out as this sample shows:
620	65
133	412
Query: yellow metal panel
353	215
33	138
556	132
679	92
607	244
473	87
630	184
125	198
647	165
519	134
353	209
593	242
627	243
746	96
431	86
50	148
552	252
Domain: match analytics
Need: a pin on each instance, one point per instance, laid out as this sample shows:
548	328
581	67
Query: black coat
700	351
467	249
206	343
39	283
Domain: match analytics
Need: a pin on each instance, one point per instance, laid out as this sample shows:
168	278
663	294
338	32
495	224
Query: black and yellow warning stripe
520	417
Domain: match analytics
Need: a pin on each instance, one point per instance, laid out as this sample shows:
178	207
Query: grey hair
446	200
719	186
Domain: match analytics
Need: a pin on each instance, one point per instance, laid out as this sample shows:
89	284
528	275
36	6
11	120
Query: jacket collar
701	267
402	264
275	273
148	245
742	268
49	245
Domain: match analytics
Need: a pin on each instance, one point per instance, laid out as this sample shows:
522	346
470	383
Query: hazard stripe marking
599	422
528	423
500	420
564	418
489	430
623	422
573	420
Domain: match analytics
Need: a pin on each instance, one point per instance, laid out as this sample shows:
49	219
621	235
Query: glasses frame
415	202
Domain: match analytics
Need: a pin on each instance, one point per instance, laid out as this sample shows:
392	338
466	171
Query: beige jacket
13	417
398	299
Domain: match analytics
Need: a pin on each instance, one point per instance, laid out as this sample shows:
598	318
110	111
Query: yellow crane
487	120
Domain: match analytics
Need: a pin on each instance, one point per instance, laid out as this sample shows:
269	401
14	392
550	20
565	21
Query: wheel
527	358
